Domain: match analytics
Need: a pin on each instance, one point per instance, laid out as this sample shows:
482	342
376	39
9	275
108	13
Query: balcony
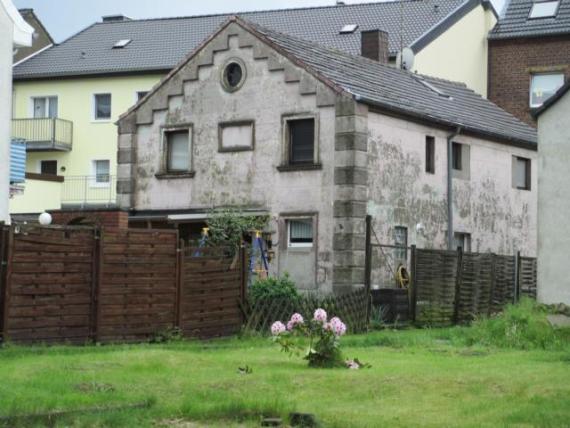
44	134
89	191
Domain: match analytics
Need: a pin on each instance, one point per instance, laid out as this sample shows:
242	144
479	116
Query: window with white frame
521	173
141	95
544	9
44	107
401	241
102	106
462	240
101	169
543	86
177	147
300	233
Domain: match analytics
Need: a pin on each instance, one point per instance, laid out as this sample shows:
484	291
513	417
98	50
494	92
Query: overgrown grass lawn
418	378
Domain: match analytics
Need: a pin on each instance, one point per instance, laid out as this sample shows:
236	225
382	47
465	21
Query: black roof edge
107	73
501	36
418	118
444	25
552	100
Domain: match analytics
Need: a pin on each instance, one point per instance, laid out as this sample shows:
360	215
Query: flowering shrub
324	344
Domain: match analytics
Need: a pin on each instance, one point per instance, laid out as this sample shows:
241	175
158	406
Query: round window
233	75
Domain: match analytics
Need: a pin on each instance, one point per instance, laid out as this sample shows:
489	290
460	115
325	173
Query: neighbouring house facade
317	139
41	38
68	97
554	198
14	33
529	55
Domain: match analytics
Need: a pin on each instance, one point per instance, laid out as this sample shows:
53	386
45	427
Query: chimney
115	18
375	45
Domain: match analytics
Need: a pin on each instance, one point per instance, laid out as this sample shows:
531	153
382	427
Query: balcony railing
89	191
44	134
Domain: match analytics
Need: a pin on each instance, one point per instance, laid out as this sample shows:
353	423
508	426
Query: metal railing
89	190
43	134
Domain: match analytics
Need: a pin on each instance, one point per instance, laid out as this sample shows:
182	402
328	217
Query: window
101	168
48	167
521	173
236	136
121	43
543	9
543	86
177	151
45	107
141	95
348	29
234	74
430	155
456	156
102	106
301	134
401	240
300	232
463	241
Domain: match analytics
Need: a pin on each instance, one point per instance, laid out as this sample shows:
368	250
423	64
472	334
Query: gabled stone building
318	138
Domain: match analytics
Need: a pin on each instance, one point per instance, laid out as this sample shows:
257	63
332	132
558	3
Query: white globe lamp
45	219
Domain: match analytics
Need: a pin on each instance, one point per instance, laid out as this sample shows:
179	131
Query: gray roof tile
515	22
401	91
159	44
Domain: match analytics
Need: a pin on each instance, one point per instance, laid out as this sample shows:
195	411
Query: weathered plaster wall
499	218
554	203
249	179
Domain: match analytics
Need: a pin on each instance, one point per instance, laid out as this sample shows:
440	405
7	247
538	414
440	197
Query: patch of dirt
90	387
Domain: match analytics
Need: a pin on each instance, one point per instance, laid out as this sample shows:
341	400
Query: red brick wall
511	63
110	219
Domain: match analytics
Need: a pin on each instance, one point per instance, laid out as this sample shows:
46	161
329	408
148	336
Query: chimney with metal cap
115	18
375	45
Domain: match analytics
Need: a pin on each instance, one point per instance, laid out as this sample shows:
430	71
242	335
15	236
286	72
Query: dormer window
348	29
544	9
122	43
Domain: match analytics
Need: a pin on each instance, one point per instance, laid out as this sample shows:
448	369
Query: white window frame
32	107
137	94
93	182
533	75
553	15
300	244
164	148
94	108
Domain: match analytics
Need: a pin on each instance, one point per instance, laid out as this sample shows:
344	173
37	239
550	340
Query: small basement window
430	155
122	43
543	86
301	140
544	9
349	29
300	232
177	144
521	173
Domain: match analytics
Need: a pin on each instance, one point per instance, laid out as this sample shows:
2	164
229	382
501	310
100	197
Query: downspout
450	139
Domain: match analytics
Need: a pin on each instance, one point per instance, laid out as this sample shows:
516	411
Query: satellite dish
405	59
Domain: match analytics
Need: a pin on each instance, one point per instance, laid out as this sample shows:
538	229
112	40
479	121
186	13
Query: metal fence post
368	267
413	291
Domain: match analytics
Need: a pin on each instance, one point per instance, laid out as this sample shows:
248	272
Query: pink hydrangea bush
324	338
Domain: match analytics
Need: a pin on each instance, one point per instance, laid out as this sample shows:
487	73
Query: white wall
554	203
6	47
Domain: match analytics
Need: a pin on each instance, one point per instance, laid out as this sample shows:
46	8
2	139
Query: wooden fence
450	287
81	284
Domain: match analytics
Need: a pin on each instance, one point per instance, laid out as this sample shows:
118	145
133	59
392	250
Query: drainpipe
450	139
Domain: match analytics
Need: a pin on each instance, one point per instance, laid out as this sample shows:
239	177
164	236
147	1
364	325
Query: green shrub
520	326
274	288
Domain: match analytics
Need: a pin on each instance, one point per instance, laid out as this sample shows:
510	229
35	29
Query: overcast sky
63	18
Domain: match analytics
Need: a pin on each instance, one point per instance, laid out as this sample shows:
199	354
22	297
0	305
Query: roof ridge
238	13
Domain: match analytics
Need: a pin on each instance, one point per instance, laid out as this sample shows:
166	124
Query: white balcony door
45	107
